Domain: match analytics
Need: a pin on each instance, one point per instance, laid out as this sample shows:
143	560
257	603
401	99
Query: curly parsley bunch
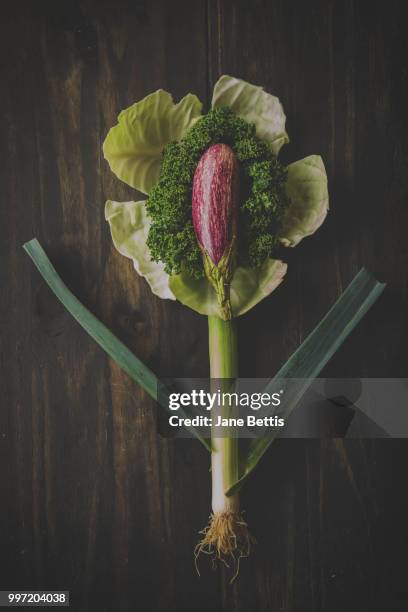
263	199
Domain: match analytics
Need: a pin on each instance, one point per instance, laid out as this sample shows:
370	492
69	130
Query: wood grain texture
93	500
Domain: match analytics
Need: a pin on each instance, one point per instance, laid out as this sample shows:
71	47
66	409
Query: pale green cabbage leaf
308	195
256	106
133	147
129	225
248	287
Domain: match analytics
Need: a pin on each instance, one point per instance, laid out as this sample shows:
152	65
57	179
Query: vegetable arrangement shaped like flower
219	204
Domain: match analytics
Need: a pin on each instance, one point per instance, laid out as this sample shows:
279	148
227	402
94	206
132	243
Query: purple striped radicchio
214	210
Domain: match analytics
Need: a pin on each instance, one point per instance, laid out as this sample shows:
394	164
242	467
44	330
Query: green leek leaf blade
129	363
313	354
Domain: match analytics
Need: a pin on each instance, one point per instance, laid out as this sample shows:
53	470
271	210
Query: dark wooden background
92	499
